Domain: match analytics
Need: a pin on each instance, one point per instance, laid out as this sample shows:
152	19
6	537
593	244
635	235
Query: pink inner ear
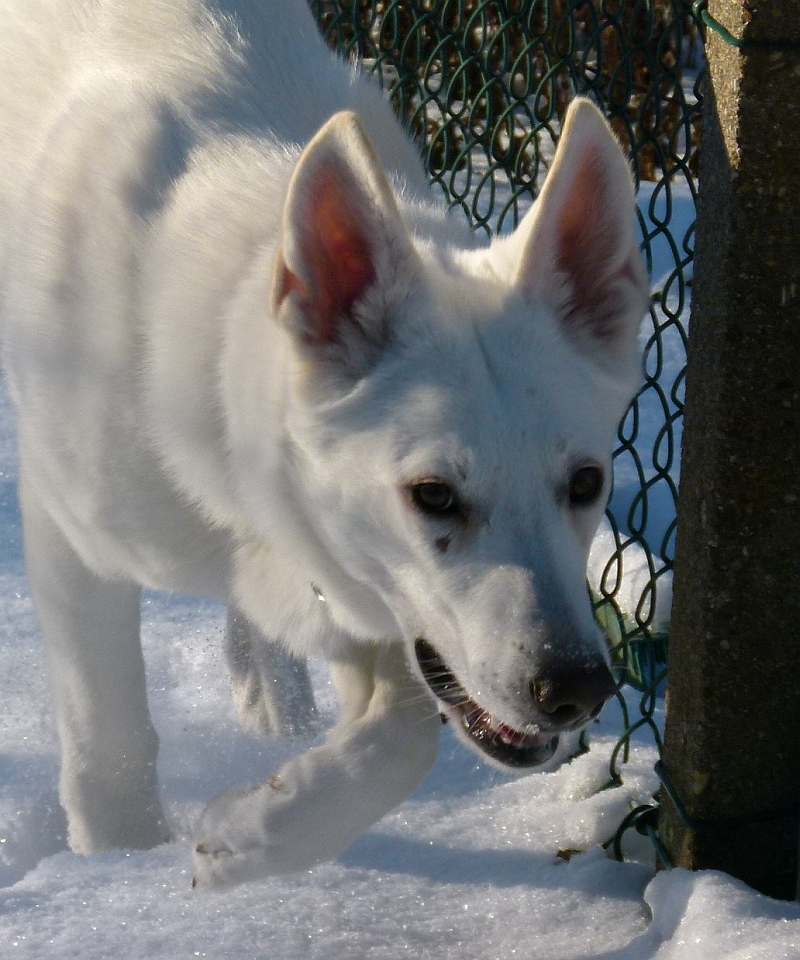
336	254
586	246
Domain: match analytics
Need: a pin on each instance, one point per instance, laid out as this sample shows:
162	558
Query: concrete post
732	739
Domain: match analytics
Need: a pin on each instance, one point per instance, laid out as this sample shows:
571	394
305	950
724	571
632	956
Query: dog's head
454	412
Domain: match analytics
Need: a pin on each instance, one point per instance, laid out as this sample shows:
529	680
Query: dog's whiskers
433	675
418	698
425	717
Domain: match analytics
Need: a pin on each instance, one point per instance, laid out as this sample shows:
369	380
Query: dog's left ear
345	254
577	249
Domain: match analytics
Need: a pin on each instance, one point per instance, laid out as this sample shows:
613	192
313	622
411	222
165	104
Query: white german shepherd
254	359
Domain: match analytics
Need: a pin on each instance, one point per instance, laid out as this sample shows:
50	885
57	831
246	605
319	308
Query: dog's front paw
250	833
231	842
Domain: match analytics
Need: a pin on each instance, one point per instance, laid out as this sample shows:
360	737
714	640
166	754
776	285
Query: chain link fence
483	85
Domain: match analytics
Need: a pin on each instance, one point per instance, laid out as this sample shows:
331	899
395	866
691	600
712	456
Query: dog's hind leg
271	688
108	783
322	800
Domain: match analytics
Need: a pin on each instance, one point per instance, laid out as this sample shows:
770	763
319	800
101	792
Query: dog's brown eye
585	486
434	497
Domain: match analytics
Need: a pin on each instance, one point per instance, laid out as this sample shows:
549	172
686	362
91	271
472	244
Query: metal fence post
732	740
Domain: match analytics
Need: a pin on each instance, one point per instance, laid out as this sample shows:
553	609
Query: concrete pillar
732	739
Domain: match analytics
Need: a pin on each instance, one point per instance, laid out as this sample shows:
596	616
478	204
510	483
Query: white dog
254	359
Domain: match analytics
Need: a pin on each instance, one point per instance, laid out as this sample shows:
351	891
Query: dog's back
37	43
235	64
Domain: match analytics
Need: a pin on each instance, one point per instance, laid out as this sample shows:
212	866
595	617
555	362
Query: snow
466	868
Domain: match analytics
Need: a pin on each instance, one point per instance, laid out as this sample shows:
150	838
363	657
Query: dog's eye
585	486
434	497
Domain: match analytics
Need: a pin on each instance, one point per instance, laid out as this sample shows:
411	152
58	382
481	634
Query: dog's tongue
508	734
517	739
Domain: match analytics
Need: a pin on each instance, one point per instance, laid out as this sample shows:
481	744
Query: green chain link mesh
483	85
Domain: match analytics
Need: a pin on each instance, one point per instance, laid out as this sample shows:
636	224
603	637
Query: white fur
185	423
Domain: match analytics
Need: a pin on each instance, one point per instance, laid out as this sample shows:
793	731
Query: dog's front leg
322	800
108	781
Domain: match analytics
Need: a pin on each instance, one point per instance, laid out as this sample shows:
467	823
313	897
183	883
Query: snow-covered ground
467	868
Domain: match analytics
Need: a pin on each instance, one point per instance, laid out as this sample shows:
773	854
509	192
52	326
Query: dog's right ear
577	248
345	255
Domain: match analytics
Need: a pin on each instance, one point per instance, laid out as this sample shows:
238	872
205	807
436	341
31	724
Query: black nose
568	693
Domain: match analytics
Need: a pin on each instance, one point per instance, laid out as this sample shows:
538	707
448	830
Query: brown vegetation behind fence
484	84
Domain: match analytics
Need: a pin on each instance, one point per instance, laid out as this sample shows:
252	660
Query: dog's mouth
504	744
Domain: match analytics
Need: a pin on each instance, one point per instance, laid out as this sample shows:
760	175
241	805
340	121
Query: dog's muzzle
504	744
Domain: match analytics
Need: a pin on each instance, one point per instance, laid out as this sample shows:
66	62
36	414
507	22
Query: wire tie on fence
700	12
699	824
